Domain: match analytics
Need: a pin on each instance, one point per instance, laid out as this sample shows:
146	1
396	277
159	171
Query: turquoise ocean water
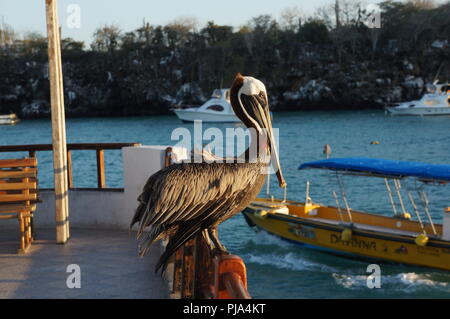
277	269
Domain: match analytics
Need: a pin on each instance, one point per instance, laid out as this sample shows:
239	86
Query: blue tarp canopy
383	167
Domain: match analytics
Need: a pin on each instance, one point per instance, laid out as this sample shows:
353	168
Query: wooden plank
32	172
17	186
15	208
101	169
71	146
99	146
22	233
8	216
17	197
26	148
23	162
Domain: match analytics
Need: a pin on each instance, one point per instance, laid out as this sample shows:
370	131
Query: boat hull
364	244
10	119
9	122
191	116
427	111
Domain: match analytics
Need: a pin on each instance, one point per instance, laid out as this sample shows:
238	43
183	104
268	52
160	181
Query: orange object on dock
230	278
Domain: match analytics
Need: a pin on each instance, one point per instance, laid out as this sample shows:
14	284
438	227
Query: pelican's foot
219	252
219	248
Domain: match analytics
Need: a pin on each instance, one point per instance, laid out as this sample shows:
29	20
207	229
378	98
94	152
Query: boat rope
417	212
390	196
285	194
425	202
397	188
268	185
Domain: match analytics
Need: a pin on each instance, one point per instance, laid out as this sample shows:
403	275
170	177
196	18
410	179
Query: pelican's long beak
272	144
276	160
253	110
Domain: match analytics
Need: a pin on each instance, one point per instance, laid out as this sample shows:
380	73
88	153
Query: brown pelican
182	200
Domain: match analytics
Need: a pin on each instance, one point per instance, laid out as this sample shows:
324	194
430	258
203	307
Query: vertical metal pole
397	188
344	198
390	196
268	184
417	212
307	199
424	199
58	123
338	206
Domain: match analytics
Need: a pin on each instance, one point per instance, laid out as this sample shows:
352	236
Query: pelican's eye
261	97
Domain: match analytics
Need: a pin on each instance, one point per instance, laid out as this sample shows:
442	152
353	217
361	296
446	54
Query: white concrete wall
87	209
107	209
139	164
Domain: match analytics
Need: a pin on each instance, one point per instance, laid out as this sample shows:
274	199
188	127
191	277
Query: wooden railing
200	273
99	148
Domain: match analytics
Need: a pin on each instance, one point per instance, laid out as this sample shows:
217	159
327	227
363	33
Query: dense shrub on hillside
331	60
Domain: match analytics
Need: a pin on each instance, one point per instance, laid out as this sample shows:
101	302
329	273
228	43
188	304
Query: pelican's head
248	98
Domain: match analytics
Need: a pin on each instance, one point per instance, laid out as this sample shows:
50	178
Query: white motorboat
9	119
435	102
216	109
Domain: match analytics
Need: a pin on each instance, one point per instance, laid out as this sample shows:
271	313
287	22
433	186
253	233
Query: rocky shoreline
335	90
311	65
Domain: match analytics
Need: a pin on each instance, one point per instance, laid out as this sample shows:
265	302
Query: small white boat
435	102
216	109
9	119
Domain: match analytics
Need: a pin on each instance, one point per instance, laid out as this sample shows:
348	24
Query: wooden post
69	170
101	181
63	121
177	271
187	281
58	123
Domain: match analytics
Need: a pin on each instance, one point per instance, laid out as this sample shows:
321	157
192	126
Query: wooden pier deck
108	260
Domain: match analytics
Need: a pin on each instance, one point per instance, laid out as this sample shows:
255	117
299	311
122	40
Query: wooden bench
18	195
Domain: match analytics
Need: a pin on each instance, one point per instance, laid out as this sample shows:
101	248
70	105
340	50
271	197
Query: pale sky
29	15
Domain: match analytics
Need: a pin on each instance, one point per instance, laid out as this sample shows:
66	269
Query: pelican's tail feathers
138	214
183	234
148	238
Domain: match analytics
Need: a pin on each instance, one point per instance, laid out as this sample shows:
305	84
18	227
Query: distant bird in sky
182	200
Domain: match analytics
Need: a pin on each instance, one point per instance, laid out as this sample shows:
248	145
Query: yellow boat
355	234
